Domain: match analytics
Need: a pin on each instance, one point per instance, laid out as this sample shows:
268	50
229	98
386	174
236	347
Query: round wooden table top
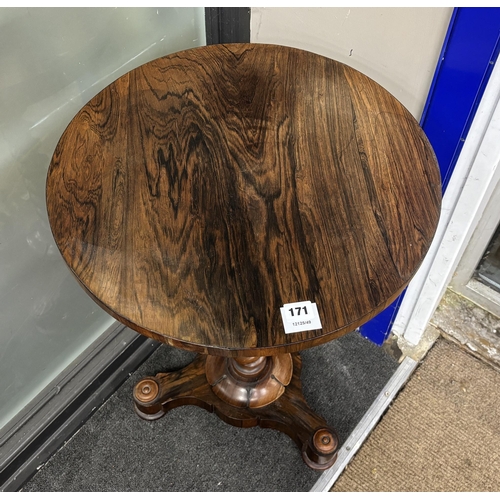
201	192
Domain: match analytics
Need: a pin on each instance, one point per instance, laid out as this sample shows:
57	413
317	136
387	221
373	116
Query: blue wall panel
466	62
469	52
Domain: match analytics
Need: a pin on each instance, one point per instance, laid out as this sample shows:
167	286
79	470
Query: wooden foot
288	412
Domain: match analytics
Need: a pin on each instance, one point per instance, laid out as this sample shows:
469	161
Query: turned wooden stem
249	382
249	369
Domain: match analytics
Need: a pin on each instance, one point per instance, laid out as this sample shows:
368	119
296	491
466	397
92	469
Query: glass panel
488	270
53	61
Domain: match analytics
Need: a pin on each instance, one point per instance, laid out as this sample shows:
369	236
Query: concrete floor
463	322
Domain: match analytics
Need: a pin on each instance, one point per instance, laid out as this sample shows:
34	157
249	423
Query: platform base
289	413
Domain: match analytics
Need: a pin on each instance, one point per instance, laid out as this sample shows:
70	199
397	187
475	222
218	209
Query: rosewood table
244	201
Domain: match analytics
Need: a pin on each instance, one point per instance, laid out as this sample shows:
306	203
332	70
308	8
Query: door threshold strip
366	425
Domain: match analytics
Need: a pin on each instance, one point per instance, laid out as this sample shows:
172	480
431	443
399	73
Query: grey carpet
190	449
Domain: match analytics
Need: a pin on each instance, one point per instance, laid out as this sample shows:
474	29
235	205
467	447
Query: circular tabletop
203	194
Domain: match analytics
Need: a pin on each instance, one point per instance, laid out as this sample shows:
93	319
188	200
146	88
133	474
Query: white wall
397	47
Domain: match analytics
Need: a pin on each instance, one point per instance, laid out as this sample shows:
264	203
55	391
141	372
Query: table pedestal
244	392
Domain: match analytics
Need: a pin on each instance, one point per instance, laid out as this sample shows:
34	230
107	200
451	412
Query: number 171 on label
299	312
300	316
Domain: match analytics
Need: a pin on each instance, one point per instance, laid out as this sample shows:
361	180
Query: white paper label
300	316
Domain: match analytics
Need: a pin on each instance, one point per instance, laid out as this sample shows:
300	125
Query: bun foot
320	451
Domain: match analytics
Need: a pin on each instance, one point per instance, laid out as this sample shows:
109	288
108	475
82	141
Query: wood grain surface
200	192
